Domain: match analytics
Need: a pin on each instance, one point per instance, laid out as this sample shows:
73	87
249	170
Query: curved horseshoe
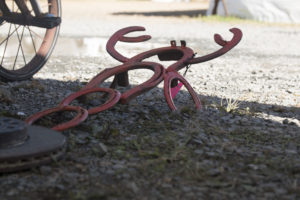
82	114
114	97
137	90
168	78
226	46
119	36
186	54
182	54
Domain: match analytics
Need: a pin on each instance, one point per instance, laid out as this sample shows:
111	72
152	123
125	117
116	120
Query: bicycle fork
24	17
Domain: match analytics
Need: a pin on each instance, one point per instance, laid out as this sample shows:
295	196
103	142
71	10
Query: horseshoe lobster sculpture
183	55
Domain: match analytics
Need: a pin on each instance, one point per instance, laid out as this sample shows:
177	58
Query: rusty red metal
183	55
82	114
114	97
226	46
126	96
171	76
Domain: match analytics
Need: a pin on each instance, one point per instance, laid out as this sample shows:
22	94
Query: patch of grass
229	105
228	19
238	20
232	106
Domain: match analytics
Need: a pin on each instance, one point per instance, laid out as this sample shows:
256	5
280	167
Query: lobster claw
237	36
226	46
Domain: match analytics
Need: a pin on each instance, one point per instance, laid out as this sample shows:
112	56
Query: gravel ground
243	144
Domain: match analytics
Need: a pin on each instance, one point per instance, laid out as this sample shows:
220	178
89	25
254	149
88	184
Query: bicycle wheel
24	49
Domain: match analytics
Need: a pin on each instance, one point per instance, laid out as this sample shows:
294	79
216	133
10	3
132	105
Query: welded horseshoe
179	53
114	97
137	90
82	114
182	55
169	77
119	36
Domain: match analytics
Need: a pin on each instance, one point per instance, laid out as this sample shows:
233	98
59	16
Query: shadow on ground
185	13
214	153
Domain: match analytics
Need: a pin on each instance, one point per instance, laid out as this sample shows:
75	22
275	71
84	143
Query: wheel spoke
9	35
20	47
31	38
35	33
5	44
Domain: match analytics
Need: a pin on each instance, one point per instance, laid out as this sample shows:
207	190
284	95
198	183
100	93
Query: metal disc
13	132
41	146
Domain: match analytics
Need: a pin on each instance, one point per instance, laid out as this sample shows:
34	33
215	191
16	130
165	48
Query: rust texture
173	80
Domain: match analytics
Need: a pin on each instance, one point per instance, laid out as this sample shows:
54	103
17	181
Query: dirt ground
97	18
243	144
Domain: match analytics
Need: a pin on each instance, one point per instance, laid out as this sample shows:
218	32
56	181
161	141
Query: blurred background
87	24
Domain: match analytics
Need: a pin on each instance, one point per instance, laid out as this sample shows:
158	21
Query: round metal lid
12	132
40	146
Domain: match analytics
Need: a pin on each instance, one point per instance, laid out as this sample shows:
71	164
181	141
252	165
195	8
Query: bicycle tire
30	61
